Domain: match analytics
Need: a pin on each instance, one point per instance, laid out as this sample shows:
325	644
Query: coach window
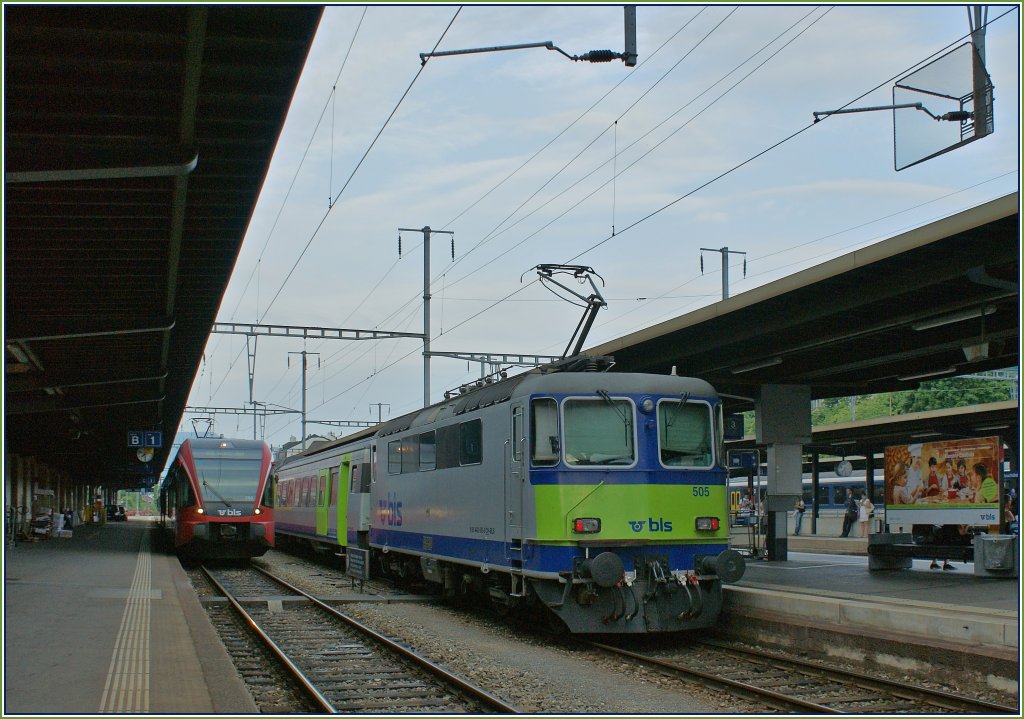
321	493
684	433
268	493
471	440
544	445
839	495
598	432
428	449
395	457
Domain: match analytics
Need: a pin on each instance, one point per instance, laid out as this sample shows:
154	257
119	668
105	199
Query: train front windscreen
229	475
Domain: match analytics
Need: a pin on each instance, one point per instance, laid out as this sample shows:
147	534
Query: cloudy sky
530	158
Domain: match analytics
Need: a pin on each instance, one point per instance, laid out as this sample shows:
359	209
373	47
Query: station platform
97	623
823	596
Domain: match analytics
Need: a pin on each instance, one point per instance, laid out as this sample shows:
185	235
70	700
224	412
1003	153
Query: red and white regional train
215	502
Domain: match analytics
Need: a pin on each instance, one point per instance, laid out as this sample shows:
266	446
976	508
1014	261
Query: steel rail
297	673
945	700
495	703
784	701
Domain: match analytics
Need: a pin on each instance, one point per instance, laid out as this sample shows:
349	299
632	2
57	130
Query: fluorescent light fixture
988	427
922	375
770	362
918	435
954	317
18	352
845	441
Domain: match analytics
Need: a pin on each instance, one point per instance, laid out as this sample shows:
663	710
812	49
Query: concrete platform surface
98	623
837	589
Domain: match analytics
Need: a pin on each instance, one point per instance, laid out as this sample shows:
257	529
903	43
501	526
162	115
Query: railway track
795	685
333	663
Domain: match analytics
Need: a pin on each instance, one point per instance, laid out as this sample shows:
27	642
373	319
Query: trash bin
995	555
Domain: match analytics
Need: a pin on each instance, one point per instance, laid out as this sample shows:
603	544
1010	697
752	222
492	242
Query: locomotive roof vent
580	363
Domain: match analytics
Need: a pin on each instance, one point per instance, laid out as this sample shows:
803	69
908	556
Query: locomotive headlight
708	524
257	511
200	510
586	525
647	405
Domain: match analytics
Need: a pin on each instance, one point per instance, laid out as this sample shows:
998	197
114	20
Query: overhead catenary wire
359	164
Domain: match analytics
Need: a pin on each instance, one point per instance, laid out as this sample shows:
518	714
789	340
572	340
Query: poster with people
945	482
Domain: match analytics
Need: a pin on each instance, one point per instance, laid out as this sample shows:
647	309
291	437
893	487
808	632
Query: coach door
321	503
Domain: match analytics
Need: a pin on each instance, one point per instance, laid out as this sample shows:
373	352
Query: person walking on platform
851	515
864	512
798	517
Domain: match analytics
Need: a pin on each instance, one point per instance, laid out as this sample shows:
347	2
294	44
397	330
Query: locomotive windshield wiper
215	492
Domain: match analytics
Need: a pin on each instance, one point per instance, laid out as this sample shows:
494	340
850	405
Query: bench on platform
897	550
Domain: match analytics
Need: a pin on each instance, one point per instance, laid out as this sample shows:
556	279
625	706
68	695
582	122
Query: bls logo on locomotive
390	510
230	512
653	525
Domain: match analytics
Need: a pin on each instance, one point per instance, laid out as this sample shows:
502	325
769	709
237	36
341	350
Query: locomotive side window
428	449
395	457
598	432
268	493
471	441
684	434
447	447
544	445
410	455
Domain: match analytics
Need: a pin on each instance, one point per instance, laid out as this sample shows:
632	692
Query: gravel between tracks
533	675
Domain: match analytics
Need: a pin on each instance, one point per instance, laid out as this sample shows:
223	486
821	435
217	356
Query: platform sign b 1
136	440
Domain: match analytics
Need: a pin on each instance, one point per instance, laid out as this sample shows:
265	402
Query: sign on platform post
136	440
154	439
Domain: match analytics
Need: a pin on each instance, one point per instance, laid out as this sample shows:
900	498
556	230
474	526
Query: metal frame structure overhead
137	139
937	301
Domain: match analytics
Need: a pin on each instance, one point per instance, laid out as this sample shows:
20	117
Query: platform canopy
137	139
938	301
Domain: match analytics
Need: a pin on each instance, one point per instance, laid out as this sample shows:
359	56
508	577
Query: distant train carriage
598	496
833	490
216	500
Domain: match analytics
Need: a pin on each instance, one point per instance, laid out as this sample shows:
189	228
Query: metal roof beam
78	162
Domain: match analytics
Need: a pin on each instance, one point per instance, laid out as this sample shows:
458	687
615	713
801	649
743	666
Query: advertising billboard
946	482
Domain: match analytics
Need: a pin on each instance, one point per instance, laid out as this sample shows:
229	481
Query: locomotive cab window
544	444
685	434
599	432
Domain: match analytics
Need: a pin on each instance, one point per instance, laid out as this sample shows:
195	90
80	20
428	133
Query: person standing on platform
69	518
864	511
799	515
851	515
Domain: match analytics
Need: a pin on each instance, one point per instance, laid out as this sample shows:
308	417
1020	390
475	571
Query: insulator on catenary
599	56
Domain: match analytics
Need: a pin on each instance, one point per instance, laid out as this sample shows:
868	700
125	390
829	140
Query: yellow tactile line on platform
127	688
